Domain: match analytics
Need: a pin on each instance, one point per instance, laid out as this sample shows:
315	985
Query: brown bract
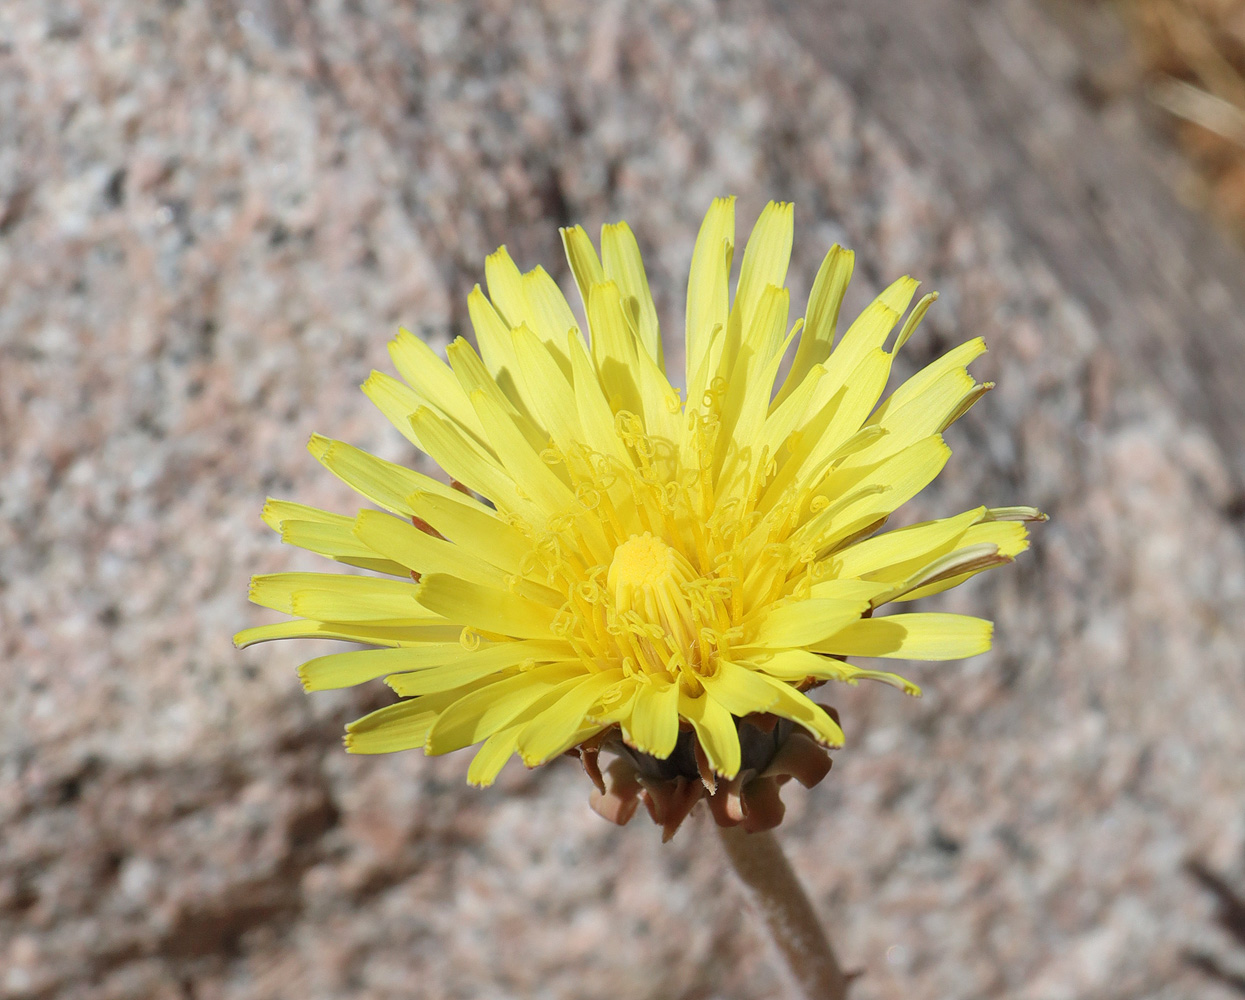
774	751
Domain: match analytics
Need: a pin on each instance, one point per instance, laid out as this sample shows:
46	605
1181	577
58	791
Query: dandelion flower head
615	565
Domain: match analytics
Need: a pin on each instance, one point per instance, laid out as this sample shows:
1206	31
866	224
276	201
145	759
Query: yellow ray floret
611	554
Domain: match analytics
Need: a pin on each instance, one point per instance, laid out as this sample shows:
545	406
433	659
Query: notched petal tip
319	445
268	514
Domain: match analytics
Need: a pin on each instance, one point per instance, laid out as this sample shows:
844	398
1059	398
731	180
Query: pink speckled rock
213	216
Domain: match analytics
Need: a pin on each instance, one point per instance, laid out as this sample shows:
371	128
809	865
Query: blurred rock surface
213	215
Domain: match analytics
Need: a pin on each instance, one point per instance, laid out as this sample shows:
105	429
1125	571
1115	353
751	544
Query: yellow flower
641	565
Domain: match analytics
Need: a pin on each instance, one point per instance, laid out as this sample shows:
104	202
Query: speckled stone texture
213	215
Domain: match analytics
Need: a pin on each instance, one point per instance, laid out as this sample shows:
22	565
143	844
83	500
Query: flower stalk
774	890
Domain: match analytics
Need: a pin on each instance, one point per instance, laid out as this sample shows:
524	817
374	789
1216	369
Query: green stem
793	926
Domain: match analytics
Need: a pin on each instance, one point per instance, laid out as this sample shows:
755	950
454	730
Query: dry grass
1194	51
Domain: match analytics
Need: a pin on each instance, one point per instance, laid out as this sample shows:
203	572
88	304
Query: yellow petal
742	690
396	400
716	731
463	667
548	314
531	476
940	402
766	257
373	635
739	690
900	478
468	462
384	483
338	603
620	258
326	534
548	388
340	670
870	330
929	413
276	511
496	348
747	403
401	726
486	765
595	419
552	731
827	430
958	357
822	317
614	349
505	287
337	542
796	665
914	320
793	705
847	589
783	417
495	705
766	340
417	550
895	555
617	704
854	674
473	374
1011	537
803	622
582	256
708	285
357	598
868	380
419	365
654	724
925	636
661	406
474	527
485	607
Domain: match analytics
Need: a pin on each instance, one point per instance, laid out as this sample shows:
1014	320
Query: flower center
660	573
647	578
645	563
665	617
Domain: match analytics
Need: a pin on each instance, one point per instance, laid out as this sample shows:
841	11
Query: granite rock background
212	217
